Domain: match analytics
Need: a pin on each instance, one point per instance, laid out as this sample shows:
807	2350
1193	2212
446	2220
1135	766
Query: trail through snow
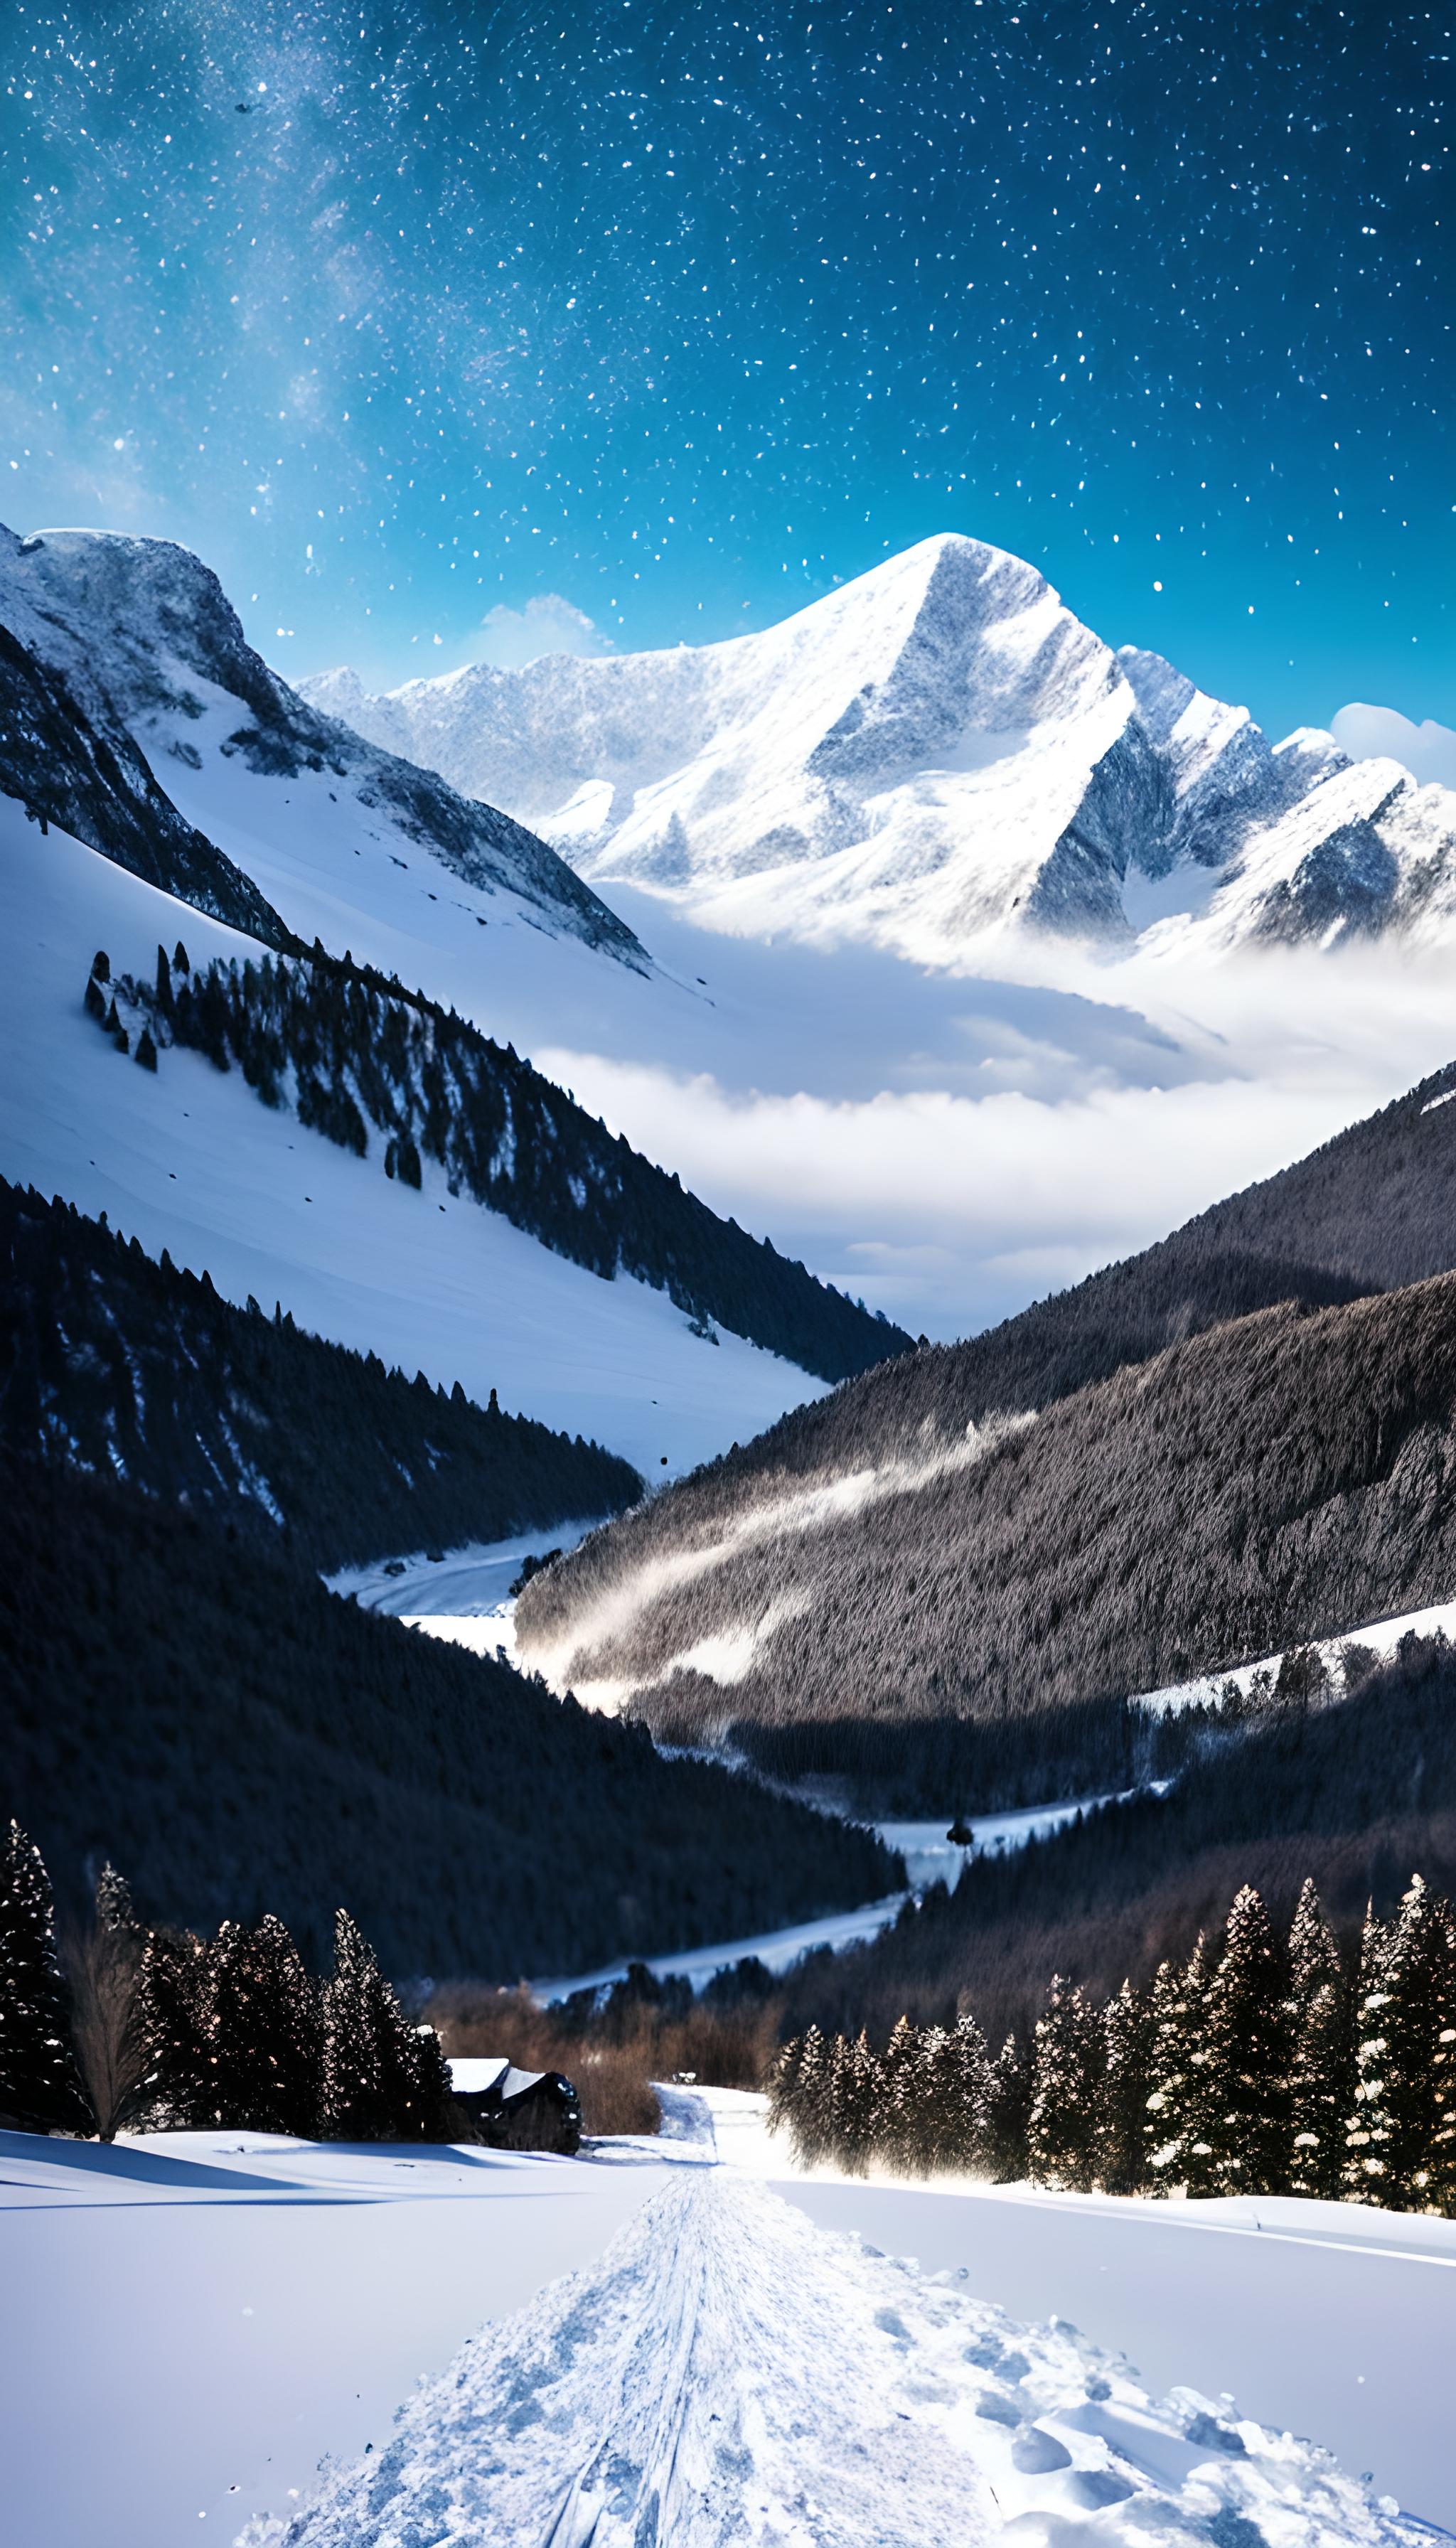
728	2371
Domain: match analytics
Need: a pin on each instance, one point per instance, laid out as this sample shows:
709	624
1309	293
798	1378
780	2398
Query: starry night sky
402	314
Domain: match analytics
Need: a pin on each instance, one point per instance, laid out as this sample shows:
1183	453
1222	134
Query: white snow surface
208	2313
188	1159
732	2370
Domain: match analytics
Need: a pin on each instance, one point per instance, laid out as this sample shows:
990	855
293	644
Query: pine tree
265	2026
1008	2104
1066	2078
145	1049
1245	2046
810	2116
857	2100
782	2083
178	2053
1178	2152
1404	2054
1363	2164
381	2079
958	2092
1320	2083
41	2089
899	2130
1121	2152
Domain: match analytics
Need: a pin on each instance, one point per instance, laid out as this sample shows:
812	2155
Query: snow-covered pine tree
178	2053
1177	2150
1404	2072
1004	2134
854	2101
265	2028
1067	2079
958	2086
1320	2081
1122	2109
1245	2048
1363	2164
381	2079
897	2130
41	2087
809	2114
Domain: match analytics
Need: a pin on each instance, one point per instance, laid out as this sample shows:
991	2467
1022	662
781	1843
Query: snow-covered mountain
935	754
127	658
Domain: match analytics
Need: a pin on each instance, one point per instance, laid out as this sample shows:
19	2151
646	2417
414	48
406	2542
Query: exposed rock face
125	658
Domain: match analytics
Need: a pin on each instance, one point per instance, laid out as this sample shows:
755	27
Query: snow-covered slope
145	639
935	754
188	1159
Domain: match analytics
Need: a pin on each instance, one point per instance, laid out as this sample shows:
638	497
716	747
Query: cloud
1427	751
549	624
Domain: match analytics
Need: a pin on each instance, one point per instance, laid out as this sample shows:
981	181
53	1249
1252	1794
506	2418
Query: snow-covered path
728	2371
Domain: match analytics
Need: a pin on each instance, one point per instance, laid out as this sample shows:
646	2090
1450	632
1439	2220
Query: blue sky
407	316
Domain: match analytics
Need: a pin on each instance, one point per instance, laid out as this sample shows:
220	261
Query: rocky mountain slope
135	714
935	753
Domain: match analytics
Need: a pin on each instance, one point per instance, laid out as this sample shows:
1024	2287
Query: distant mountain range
934	754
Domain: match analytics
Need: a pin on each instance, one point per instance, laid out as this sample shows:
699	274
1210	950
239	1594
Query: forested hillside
1278	1477
122	1365
241	1740
1370	1209
1352	1793
355	1056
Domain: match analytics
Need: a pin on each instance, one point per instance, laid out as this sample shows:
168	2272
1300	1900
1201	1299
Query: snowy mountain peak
934	754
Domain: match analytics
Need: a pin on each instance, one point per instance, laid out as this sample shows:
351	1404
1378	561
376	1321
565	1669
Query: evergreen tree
1246	2085
1320	2083
1067	2080
41	2089
1008	2105
956	2071
1122	2113
146	1050
898	2131
814	2115
1404	2054
856	2097
1178	2152
1363	2164
381	2079
265	2026
783	2084
176	2093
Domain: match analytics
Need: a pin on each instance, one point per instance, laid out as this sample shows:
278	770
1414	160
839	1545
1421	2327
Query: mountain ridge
932	754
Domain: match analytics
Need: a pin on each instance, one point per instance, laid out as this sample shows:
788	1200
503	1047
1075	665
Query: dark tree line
160	2030
1264	1483
200	1711
355	1056
107	1357
1351	1780
1265	2067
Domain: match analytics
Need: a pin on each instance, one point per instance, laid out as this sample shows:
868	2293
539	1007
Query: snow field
733	2370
